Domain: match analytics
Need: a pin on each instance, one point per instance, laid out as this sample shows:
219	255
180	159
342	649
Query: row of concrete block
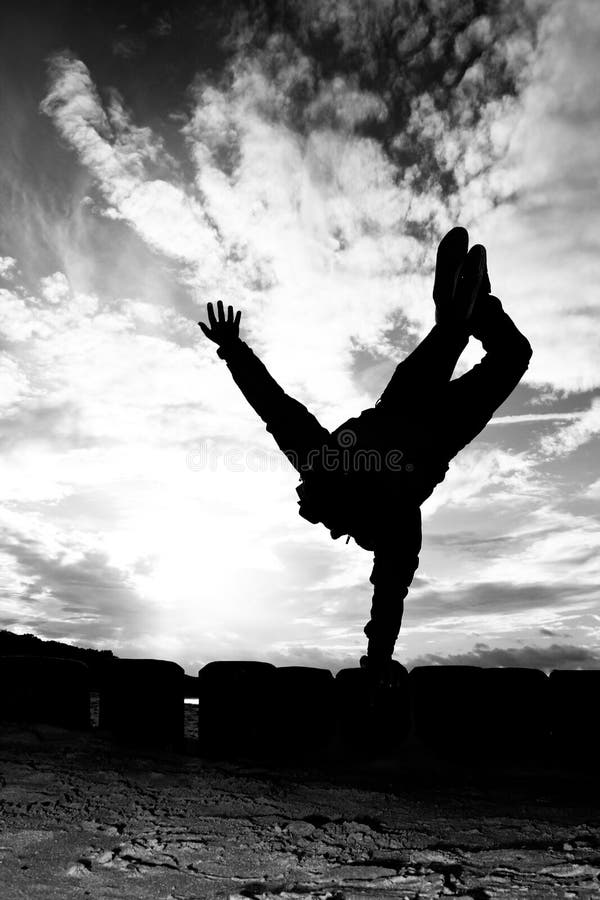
245	708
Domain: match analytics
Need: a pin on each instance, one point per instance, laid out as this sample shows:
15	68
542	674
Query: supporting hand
222	330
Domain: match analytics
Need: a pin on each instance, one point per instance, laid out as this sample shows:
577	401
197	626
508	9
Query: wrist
229	346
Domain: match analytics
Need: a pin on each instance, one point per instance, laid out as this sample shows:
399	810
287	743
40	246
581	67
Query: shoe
459	279
451	254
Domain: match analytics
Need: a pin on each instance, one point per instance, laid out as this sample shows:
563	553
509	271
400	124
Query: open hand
222	330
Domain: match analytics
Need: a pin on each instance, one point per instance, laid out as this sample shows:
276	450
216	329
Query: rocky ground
83	817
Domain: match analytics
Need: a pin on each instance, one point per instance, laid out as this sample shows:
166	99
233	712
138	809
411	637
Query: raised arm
296	430
251	375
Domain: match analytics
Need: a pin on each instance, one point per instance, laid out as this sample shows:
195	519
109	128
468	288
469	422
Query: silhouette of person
368	478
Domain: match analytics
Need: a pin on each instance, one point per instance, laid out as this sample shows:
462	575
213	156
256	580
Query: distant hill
30	645
96	660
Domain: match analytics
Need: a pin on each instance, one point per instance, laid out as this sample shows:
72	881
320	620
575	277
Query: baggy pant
449	413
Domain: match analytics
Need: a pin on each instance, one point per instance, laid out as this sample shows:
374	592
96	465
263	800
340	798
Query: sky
301	161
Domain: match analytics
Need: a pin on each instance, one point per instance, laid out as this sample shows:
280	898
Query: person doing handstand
368	478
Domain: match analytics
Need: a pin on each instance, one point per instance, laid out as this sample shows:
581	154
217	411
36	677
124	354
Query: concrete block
235	698
142	701
574	714
45	689
517	712
372	721
302	711
448	706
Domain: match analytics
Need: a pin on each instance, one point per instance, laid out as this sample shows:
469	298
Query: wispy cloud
127	162
525	418
566	440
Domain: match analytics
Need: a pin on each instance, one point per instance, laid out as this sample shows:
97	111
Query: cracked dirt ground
81	817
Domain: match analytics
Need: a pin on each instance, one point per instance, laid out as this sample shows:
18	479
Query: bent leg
396	558
430	365
471	400
460	276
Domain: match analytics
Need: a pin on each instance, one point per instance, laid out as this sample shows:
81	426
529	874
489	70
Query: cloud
480	476
69	591
95	470
593	490
525	418
543	547
337	208
123	158
7	267
502	604
554	656
96	360
444	74
567	439
542	246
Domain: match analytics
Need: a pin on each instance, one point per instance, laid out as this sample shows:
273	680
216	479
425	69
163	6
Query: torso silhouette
366	475
378	468
423	419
